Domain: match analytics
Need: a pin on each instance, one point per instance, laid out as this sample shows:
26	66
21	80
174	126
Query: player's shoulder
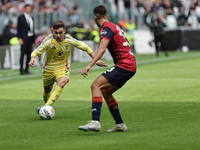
109	26
70	39
47	39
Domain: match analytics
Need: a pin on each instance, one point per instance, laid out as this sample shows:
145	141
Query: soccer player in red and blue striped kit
113	38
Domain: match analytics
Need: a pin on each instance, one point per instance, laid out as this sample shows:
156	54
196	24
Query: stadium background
77	15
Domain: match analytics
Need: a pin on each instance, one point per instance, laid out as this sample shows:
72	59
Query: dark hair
26	4
100	11
58	24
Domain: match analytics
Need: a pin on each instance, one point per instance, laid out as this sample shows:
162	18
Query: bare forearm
96	57
101	50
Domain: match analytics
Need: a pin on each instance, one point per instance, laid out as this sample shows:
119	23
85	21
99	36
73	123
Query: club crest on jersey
53	44
103	32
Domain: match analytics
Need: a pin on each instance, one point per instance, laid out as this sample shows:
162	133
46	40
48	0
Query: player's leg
47	92
96	87
48	81
117	77
114	77
99	84
62	78
114	110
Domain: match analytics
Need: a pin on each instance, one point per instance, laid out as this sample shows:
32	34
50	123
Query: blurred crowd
74	19
14	6
179	11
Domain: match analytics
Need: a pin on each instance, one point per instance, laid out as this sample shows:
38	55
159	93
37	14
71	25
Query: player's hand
101	63
32	62
84	71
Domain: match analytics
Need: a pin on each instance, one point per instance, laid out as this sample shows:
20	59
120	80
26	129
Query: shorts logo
110	70
103	32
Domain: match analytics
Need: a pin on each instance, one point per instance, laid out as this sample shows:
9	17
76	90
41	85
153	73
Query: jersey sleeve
81	45
106	33
40	49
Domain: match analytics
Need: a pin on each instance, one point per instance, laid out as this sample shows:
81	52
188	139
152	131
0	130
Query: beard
97	23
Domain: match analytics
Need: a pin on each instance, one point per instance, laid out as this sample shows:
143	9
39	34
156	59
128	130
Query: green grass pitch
160	106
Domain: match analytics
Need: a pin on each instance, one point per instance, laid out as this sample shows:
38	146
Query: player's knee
62	84
94	86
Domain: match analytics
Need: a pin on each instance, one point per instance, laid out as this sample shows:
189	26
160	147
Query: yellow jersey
57	53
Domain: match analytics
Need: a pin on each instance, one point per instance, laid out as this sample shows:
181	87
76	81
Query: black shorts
117	76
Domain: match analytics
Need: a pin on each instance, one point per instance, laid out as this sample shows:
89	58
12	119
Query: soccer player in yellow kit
58	48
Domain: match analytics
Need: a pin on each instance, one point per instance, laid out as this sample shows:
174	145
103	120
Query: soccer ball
185	49
46	112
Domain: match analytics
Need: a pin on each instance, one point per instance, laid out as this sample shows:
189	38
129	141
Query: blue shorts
117	76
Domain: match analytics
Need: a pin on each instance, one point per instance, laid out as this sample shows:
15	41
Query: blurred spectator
148	16
26	36
122	24
91	25
130	33
168	8
176	3
94	35
81	31
128	28
8	32
197	10
93	32
157	7
186	4
182	19
74	17
13	8
159	34
69	29
136	11
127	5
82	23
117	9
40	38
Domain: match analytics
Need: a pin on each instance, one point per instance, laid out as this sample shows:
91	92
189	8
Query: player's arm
81	45
101	50
38	52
